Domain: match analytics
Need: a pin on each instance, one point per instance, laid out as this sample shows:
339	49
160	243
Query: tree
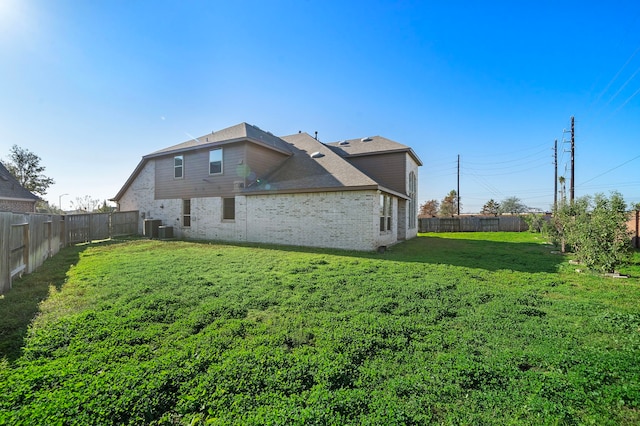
449	204
595	228
104	208
85	203
25	166
429	208
512	205
491	207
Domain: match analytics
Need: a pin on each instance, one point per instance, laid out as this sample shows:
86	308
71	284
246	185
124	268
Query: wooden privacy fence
472	224
27	240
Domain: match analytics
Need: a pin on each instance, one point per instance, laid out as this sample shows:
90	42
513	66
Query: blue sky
92	86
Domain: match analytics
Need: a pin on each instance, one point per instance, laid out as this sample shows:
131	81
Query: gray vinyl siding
196	181
388	170
238	160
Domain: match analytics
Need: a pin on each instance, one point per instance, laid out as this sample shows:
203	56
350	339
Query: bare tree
85	203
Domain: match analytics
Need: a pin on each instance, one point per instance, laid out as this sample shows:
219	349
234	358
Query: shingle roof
371	145
10	188
239	132
313	166
301	172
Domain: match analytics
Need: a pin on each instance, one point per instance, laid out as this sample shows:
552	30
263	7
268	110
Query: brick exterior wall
344	220
17	206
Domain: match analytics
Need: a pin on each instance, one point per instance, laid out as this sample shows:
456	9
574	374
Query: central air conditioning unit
151	227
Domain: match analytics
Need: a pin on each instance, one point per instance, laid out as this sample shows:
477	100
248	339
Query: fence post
27	246
5	255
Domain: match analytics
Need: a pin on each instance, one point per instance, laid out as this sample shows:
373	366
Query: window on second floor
215	161
178	167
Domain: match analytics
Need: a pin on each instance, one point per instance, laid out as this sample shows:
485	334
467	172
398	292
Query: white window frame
186	212
177	167
221	160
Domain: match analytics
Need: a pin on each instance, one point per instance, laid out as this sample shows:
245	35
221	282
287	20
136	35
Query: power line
611	169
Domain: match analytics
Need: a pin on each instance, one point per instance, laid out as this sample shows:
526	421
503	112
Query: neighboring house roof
372	145
10	188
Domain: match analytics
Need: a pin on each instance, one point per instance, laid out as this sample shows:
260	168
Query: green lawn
468	328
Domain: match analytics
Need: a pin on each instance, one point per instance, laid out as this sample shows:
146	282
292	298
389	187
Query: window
412	200
228	208
215	161
178	167
186	212
385	213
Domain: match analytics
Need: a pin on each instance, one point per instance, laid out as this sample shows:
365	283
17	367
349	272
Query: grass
469	328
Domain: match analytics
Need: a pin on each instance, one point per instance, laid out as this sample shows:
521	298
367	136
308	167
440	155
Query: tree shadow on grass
20	305
472	252
477	253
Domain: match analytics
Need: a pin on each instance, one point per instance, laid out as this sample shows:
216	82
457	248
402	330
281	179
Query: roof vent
344	142
317	154
367	139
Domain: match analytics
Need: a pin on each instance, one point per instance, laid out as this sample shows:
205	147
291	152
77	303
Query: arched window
412	200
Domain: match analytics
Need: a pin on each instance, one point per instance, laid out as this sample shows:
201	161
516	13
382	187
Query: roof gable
372	145
237	133
312	166
10	188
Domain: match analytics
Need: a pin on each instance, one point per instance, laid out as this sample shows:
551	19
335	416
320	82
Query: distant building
245	184
13	196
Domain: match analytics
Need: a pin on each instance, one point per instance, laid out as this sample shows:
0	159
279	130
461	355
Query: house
247	185
13	196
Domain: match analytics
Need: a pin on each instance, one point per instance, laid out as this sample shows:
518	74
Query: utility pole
458	193
555	177
573	168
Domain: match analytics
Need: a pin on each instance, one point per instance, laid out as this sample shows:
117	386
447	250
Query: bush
595	228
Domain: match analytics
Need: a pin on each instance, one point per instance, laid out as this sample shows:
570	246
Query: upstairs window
178	167
215	161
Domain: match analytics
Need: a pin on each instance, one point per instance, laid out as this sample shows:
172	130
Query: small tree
596	230
104	208
449	204
491	207
512	205
25	166
429	208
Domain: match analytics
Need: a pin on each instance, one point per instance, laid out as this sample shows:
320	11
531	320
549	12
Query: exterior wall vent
238	185
317	154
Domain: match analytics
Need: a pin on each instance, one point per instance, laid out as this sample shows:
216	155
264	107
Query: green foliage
512	205
535	222
491	207
596	230
449	205
478	328
25	166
